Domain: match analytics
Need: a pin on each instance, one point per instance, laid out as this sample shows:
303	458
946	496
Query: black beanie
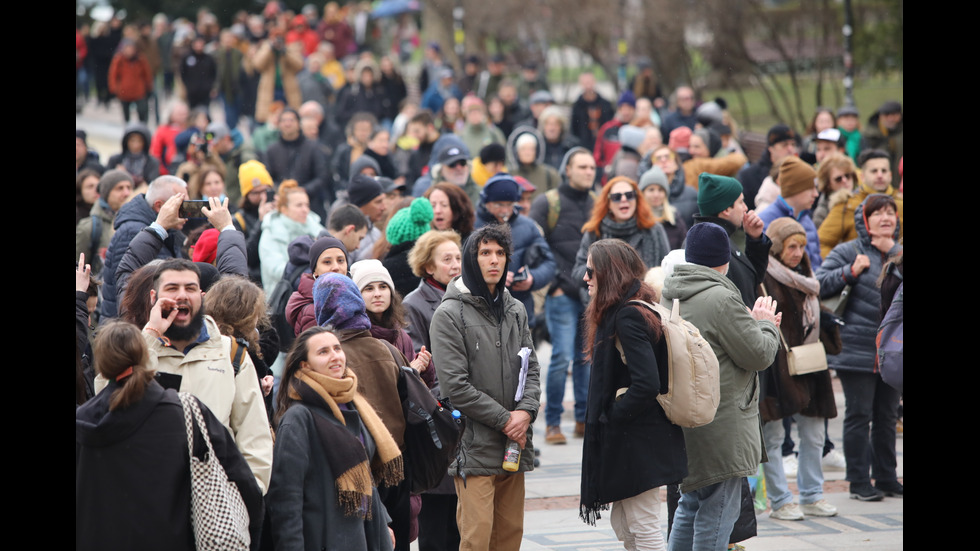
363	189
322	244
707	245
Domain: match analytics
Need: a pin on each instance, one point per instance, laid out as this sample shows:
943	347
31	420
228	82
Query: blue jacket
132	218
525	236
862	314
779	209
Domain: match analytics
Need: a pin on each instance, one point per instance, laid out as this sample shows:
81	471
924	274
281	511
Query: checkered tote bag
218	512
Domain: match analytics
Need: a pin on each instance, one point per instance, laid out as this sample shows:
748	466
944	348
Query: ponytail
121	355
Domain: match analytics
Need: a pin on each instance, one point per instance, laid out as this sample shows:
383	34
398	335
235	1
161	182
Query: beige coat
236	400
264	61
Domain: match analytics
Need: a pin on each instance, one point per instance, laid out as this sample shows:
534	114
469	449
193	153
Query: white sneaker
790	466
819	509
834	461
790	511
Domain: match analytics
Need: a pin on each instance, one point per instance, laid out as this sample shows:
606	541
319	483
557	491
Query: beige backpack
693	388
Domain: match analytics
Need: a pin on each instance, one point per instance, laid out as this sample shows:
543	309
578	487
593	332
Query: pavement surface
551	507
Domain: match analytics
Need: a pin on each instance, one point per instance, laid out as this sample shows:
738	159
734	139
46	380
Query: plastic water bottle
512	456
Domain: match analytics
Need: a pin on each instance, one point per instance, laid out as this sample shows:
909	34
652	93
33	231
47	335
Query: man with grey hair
138	213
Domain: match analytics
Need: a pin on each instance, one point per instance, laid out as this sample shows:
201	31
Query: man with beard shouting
186	344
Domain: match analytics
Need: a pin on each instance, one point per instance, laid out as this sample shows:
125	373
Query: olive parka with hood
731	445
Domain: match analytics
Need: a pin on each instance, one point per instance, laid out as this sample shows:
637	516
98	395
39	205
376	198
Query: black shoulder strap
238	348
96	236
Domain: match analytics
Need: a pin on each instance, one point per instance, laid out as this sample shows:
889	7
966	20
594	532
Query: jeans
869	403
809	475
705	517
233	110
789	445
636	521
563	316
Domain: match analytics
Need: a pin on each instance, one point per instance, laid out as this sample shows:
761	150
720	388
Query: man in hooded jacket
478	332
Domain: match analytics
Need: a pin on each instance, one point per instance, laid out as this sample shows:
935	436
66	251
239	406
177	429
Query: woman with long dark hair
332	450
385	310
631	448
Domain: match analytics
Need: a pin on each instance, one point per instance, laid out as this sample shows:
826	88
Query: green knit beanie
717	193
409	224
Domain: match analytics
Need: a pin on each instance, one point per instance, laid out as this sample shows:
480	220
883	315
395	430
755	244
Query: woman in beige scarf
808	398
332	451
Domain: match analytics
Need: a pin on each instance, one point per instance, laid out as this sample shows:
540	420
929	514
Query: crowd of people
283	260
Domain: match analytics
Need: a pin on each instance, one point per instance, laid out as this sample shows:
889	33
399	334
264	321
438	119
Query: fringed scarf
806	284
345	453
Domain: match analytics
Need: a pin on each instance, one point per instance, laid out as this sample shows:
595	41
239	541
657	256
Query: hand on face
752	224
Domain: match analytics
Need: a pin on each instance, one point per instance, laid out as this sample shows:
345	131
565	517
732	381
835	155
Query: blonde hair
420	256
286	188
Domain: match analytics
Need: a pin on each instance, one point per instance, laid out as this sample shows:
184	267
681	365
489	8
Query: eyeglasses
590	272
842	177
617	197
457	164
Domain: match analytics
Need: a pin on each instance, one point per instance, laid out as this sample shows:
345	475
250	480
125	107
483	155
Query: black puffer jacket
862	314
132	218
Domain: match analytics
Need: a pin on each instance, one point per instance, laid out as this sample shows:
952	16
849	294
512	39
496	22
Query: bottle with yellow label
512	456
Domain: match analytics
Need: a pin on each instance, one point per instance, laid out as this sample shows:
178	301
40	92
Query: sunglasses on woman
590	272
842	177
617	197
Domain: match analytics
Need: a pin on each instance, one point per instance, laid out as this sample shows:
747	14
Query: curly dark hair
491	232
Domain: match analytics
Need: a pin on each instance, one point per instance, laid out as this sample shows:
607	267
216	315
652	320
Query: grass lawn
869	94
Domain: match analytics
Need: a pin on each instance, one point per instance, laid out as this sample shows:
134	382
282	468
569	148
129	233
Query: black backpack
277	308
433	432
433	429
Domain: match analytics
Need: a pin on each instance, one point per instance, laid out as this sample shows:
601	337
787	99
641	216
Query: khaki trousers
490	513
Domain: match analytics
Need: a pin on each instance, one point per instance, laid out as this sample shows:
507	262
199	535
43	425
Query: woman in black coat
631	448
332	450
132	468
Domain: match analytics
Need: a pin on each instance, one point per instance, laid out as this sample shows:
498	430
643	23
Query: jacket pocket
750	393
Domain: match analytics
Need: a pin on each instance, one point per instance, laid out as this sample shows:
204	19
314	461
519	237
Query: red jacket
130	79
606	145
299	309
